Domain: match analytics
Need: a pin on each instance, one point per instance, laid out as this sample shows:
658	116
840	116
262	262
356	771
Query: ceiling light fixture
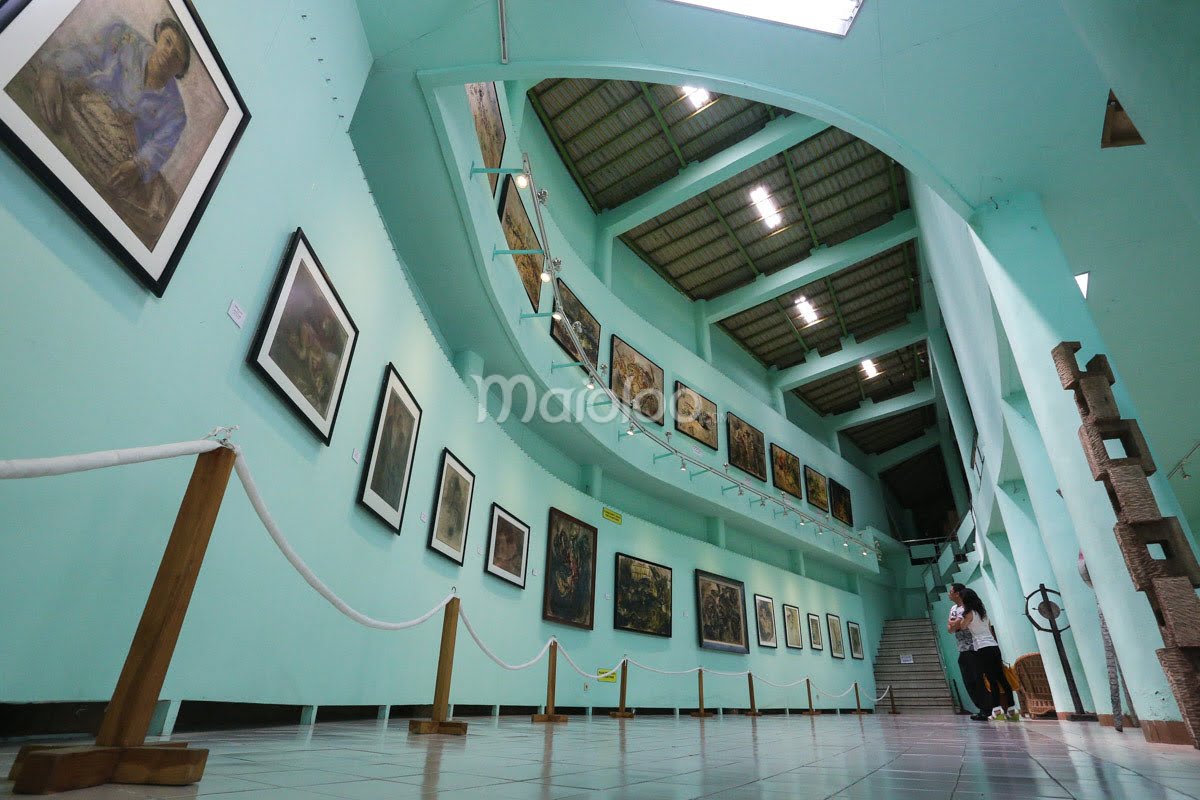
696	96
1083	279
825	16
522	180
806	309
869	367
766	207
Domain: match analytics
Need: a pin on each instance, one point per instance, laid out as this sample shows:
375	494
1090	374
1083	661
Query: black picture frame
657	378
489	560
783	464
816	636
840	505
26	150
816	488
368	498
837	643
687	430
798	643
450	462
590	338
752	461
766	638
259	356
854	635
738	589
623	620
529	266
487	97
586	621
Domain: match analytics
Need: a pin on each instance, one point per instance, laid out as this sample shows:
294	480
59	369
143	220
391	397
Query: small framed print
452	509
836	647
764	615
793	636
508	547
856	645
747	446
390	453
816	486
816	639
306	339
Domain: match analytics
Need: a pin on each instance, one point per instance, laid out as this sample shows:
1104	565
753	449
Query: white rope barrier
462	614
886	692
604	673
780	685
640	665
831	695
83	462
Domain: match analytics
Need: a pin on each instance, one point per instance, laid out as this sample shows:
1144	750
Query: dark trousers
968	665
990	666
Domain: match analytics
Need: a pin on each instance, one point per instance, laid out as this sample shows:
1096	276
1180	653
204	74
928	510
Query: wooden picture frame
507	536
816	488
785	472
484	102
854	634
637	381
816	637
387	471
747	446
142	203
695	416
793	633
765	623
837	646
451	515
575	311
639	602
721	613
519	234
305	339
569	591
839	503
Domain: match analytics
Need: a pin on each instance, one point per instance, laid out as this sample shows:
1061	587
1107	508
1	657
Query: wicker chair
1035	688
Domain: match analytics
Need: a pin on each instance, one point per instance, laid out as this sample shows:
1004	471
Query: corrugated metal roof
884	434
844	391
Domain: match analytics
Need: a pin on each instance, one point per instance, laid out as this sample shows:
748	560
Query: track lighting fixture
522	180
545	276
682	465
556	315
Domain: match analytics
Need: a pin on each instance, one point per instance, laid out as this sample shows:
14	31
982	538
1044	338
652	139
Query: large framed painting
747	447
793	636
520	235
764	616
816	486
721	613
816	639
587	328
508	547
390	453
785	471
856	645
642	596
489	125
305	339
452	509
839	503
695	415
125	111
570	590
837	648
637	381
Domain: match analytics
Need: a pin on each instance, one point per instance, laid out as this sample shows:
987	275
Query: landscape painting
695	415
570	589
489	125
785	471
747	447
816	487
637	381
642	596
520	235
721	613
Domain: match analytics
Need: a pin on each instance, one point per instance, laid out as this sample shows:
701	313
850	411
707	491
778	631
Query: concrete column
591	480
715	530
1008	608
954	471
796	561
603	257
163	721
1039	305
953	391
776	391
703	330
308	715
514	92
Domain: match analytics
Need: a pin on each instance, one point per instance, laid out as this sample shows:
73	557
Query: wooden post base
751	713
42	769
810	713
621	714
548	718
429	726
702	714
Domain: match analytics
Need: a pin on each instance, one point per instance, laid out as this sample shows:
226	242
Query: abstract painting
637	381
643	596
721	613
570	593
816	486
452	509
747	447
489	125
816	639
520	235
793	636
764	616
836	648
125	111
587	330
305	339
695	415
839	503
508	547
785	471
856	645
390	452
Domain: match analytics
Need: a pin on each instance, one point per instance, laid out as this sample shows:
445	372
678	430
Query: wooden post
440	722
892	699
857	702
551	678
622	712
812	712
120	752
753	712
700	684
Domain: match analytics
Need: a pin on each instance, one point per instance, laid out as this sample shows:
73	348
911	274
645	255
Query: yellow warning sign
607	675
611	516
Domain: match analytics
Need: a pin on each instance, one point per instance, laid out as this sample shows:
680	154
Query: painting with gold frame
816	486
785	471
519	234
747	446
695	415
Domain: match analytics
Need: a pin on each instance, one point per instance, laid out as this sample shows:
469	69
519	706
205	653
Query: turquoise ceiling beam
898	455
870	411
775	137
852	353
820	264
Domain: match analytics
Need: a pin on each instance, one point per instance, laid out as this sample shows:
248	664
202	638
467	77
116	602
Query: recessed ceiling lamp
869	367
1083	279
696	96
766	207
826	16
806	309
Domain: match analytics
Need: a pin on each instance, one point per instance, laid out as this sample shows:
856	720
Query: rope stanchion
892	699
753	712
621	712
551	678
700	691
812	712
439	721
858	709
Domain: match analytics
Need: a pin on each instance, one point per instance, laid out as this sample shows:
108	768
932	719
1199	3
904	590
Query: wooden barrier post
120	754
858	709
551	678
812	712
753	712
622	712
892	699
440	722
700	684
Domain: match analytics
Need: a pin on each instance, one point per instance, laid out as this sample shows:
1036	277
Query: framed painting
839	503
642	596
721	613
764	617
305	339
489	126
816	639
637	381
587	330
856	645
747	447
508	547
134	153
391	450
570	582
785	471
836	647
816	486
520	235
793	636
452	509
695	416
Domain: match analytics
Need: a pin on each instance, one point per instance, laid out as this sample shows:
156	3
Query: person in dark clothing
988	659
967	665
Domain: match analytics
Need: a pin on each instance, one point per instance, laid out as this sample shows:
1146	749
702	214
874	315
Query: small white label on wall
355	456
608	595
906	659
535	572
695	450
425	518
237	313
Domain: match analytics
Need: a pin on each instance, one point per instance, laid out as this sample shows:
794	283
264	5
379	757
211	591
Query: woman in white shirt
987	655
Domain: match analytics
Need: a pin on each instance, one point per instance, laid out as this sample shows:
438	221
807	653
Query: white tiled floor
663	758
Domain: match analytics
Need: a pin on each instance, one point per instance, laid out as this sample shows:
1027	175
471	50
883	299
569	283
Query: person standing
988	660
967	665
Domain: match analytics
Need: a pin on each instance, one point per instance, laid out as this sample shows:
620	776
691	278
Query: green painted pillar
715	530
954	471
1039	305
953	391
703	331
591	480
603	257
514	94
776	391
796	561
1016	635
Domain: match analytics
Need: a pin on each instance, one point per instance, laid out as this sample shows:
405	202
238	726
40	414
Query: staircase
919	687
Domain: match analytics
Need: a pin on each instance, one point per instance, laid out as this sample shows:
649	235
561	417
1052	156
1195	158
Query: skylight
766	207
1083	279
869	367
826	16
806	309
697	97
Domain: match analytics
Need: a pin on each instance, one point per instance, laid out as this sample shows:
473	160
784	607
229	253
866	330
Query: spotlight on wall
522	180
591	384
545	276
741	492
845	543
869	367
762	503
682	465
806	309
631	430
696	96
556	316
